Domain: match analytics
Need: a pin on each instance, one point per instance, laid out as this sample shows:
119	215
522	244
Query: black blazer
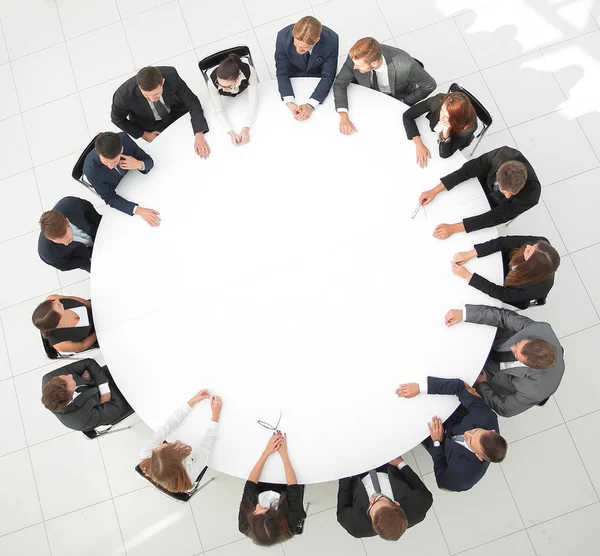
322	62
455	467
85	412
75	255
353	502
431	107
519	296
291	503
484	168
132	113
74	334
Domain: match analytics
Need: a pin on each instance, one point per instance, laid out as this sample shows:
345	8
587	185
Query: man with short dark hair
83	396
463	447
508	181
524	367
113	156
384	502
67	234
146	104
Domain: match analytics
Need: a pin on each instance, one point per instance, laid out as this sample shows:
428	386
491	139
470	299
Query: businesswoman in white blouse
231	78
175	465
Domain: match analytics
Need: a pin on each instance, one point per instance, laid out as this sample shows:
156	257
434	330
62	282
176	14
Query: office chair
77	173
215	59
481	111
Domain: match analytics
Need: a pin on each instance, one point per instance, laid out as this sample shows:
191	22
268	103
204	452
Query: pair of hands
104	398
302	112
216	403
201	147
240	139
277	443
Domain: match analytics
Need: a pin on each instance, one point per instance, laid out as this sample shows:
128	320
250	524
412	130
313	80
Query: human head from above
228	72
150	82
535	353
532	264
58	392
366	55
267	525
511	177
458	113
47	315
486	445
55	227
109	148
387	517
165	466
306	33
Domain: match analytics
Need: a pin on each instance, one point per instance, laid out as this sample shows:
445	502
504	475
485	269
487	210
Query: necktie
161	110
458	438
502	356
375	83
306	57
375	481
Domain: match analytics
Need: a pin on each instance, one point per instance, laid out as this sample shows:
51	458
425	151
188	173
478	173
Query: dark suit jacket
484	168
353	502
519	296
455	467
105	181
85	412
322	62
132	113
409	82
75	255
432	107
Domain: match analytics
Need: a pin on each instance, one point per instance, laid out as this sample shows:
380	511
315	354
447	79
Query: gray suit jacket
409	82
511	391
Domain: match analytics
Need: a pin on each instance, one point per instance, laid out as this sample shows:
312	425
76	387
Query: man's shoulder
286	32
329	34
127	88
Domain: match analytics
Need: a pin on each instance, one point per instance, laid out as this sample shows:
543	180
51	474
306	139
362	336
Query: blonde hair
166	467
367	49
308	30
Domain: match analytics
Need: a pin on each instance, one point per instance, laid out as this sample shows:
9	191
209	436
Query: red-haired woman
451	116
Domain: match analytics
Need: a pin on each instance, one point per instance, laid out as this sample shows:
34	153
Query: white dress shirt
314	103
80	235
383	81
268	498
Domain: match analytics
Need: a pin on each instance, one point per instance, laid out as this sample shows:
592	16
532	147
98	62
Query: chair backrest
179	496
215	59
51	353
77	173
95	433
480	109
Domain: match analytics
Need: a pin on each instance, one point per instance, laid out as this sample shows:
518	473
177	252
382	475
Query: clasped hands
277	443
300	112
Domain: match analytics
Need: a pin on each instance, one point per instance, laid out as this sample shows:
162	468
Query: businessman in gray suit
524	367
383	68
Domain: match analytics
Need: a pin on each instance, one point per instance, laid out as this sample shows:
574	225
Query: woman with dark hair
270	513
451	116
66	322
175	466
529	266
231	78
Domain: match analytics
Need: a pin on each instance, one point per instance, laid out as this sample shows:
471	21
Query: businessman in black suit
67	234
384	502
83	396
508	181
113	156
151	101
306	49
463	447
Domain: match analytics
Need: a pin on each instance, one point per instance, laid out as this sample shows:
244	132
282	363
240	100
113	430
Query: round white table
288	276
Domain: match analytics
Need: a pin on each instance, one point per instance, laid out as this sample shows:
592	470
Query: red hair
461	114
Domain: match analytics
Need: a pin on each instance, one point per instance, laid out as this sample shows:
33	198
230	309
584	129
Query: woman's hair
307	30
229	68
461	114
166	467
45	318
542	264
269	528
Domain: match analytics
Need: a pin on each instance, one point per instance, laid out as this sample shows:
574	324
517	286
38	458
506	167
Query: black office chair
537	302
215	59
77	173
300	526
53	354
178	496
95	433
480	109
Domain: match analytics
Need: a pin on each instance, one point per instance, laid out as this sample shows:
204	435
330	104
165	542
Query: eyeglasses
379	497
269	426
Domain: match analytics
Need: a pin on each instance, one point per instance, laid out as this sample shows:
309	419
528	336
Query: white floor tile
10	103
590	123
51	65
573	533
112	57
524	88
3	49
21	205
153	525
69	131
558	155
584	431
264	11
79	17
72	279
5	371
321	496
493	140
76	457
572	204
246	547
127	8
482	514
573	400
94	530
79	289
423	459
14	154
587	263
173	38
531	422
517	544
13	438
20	505
555	455
402	20
27	542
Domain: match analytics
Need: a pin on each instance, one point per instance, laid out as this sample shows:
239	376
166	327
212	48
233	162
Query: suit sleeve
408	476
282	69
70	263
98	373
454	143
192	104
103	414
295	500
506	294
426	84
453	387
340	85
141	154
498	215
113	199
118	116
327	74
92	216
409	117
480	166
344	501
505	406
494	316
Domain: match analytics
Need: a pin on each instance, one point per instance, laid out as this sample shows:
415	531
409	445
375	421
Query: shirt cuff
133	211
342	110
423	386
143	166
213	425
314	103
289	99
401	465
104	389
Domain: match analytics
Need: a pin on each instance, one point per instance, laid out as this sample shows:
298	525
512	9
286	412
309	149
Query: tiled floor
534	63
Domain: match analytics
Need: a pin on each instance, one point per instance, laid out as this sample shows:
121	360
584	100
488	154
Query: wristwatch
436	443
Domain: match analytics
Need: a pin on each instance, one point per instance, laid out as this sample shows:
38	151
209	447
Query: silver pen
416	211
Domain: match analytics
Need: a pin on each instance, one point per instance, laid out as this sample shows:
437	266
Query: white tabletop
287	275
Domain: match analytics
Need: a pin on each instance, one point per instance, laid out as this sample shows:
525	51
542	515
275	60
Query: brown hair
148	78
461	114
390	522
494	446
308	30
45	318
367	49
269	528
53	224
166	467
540	266
511	176
55	395
229	68
538	354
